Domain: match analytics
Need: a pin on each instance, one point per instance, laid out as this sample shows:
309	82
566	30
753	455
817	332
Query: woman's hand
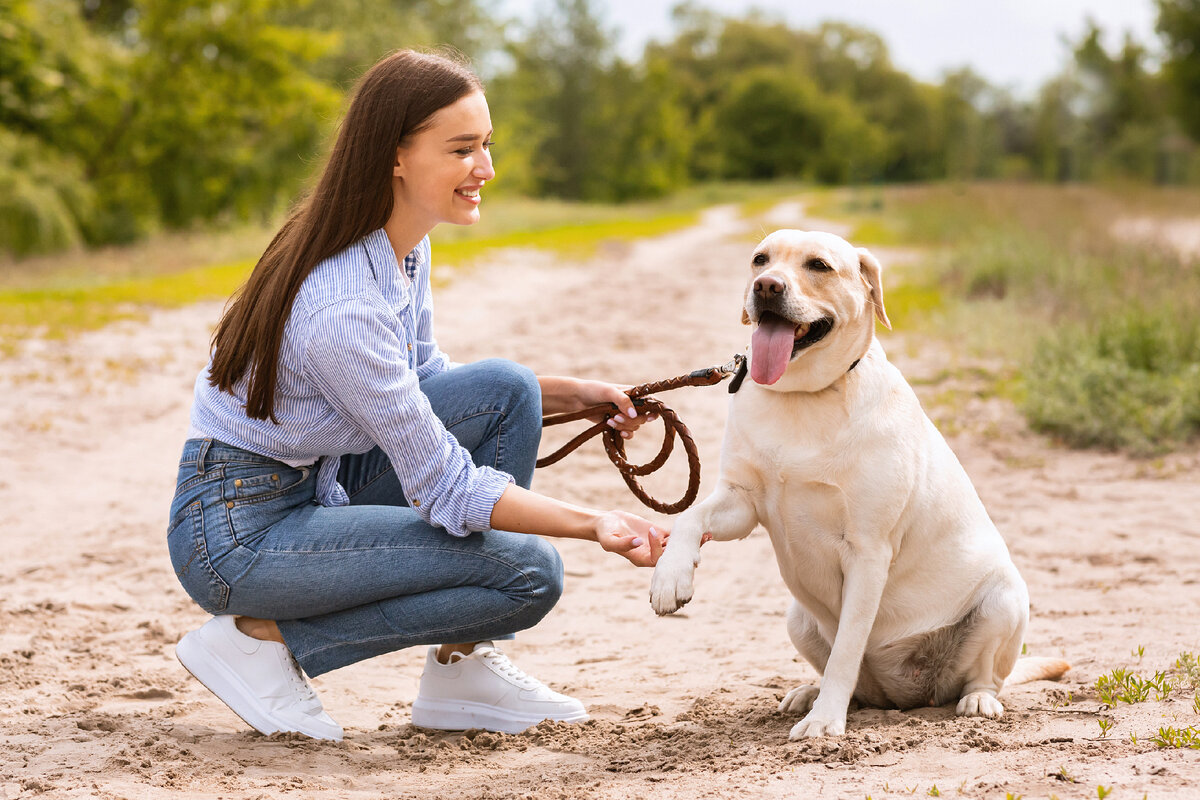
631	536
561	395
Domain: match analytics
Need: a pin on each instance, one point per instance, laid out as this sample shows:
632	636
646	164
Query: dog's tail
1036	669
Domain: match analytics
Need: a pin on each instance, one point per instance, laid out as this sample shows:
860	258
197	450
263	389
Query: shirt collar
382	256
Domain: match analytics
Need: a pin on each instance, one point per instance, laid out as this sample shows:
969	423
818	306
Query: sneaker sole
223	682
451	715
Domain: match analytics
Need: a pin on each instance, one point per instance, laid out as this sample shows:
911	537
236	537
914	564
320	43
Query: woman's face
439	171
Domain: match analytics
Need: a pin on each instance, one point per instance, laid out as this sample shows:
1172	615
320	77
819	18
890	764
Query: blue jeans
346	583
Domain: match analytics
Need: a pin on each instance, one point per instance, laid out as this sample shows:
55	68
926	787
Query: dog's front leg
726	514
865	576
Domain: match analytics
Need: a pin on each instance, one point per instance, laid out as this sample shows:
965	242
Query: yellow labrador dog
905	594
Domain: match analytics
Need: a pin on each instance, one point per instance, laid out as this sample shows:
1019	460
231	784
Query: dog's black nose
768	286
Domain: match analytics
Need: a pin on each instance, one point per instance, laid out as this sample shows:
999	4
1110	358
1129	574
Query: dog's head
812	299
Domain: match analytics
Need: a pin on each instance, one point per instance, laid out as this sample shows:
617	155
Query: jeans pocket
189	556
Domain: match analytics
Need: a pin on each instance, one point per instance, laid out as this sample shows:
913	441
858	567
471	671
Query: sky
1016	44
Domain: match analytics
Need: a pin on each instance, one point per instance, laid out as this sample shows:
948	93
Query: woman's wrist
523	511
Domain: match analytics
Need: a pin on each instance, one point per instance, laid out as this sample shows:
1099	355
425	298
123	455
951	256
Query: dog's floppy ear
872	274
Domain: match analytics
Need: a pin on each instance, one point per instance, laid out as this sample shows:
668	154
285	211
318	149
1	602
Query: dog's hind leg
992	648
802	630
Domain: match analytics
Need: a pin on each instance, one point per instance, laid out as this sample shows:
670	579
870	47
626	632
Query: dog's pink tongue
771	348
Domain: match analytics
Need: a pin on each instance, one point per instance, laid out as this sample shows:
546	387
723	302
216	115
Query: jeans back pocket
189	556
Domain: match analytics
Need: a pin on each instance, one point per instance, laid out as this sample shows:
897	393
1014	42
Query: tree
1179	25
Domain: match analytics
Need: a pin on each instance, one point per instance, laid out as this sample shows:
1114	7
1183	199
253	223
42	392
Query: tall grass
1106	330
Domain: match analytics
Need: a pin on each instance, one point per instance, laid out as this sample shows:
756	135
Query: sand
94	704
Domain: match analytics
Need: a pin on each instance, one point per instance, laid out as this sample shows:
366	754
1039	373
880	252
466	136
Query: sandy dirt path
94	704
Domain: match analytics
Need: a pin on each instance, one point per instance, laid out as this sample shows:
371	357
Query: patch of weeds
1179	738
1186	674
1124	686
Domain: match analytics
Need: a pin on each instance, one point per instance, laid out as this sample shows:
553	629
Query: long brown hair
393	100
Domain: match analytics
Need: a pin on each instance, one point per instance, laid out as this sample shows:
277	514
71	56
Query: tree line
121	117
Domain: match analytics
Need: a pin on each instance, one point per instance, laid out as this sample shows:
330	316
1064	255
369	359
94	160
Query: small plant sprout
1106	725
1196	702
1063	775
1011	796
1103	792
934	791
1141	651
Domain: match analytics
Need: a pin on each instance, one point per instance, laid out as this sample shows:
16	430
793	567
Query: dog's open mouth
777	340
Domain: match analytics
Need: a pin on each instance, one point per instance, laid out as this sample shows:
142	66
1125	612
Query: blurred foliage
120	117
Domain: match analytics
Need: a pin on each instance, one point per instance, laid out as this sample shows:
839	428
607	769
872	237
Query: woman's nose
483	166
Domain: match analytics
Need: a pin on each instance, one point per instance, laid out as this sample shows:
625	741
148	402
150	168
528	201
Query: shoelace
307	696
510	670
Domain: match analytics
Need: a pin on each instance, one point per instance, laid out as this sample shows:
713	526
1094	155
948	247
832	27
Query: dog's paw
799	700
815	725
671	586
980	704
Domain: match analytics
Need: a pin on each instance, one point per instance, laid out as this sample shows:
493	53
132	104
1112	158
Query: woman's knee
516	384
542	567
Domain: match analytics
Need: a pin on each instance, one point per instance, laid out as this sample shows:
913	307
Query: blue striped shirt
358	341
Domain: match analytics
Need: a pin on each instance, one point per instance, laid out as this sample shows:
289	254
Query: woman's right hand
631	536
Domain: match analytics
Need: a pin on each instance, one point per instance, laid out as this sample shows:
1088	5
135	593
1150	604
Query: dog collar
743	367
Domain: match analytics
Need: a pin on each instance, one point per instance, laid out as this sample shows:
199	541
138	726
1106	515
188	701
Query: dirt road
94	704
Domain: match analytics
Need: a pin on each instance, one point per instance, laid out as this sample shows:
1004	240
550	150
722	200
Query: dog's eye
760	259
819	265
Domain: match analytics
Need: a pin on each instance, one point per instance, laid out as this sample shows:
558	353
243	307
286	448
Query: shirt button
229	504
417	503
410	347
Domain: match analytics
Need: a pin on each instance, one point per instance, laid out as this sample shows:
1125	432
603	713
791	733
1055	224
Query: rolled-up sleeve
358	363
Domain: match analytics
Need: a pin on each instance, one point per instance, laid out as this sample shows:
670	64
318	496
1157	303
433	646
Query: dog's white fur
905	593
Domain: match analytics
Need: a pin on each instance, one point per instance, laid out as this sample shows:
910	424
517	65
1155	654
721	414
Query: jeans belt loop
204	445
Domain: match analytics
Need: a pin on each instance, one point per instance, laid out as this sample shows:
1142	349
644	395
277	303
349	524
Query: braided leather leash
614	445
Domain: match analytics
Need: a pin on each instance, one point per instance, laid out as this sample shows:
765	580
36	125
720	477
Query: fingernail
619	418
611	423
653	532
625	434
637	542
632	411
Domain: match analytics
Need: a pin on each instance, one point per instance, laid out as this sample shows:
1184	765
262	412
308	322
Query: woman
345	490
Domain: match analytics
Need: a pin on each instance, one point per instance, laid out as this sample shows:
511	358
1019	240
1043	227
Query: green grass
58	296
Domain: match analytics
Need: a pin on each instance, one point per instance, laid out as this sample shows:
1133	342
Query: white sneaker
485	690
259	681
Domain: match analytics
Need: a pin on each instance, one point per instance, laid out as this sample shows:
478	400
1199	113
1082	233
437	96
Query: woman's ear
398	166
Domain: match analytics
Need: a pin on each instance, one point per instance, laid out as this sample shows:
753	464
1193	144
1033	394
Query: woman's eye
464	151
488	144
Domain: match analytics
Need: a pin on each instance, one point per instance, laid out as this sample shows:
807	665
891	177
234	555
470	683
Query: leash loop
673	426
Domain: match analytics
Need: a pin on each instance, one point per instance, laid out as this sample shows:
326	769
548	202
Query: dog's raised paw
815	725
670	588
980	704
799	700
